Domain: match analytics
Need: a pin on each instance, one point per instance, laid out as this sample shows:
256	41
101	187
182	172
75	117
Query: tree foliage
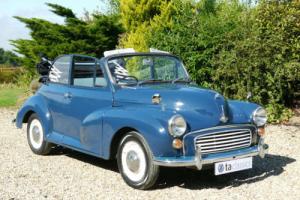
92	37
137	17
266	60
229	46
8	58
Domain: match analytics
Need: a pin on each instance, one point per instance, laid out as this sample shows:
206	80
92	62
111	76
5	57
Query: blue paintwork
90	120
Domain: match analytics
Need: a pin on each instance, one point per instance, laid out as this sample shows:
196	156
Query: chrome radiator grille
223	141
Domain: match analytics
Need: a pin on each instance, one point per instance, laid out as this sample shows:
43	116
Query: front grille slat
225	149
222	145
223	141
223	134
215	144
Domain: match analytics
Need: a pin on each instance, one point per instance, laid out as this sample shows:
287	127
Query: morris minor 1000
143	110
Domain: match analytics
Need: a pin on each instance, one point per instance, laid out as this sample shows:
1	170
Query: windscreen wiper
149	81
181	79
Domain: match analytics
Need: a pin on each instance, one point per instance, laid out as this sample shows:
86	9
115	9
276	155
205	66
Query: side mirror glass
249	95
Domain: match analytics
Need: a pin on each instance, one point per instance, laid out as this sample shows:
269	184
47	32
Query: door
55	93
89	96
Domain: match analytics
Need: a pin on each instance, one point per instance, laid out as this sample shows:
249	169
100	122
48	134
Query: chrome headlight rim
259	116
172	123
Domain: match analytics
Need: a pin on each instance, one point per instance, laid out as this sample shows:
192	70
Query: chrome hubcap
36	133
133	161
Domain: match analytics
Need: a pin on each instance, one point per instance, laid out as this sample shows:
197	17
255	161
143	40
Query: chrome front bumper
199	160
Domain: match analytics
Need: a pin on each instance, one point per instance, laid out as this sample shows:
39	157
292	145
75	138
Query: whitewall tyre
135	162
35	136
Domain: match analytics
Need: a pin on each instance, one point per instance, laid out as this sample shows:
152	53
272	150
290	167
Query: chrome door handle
68	95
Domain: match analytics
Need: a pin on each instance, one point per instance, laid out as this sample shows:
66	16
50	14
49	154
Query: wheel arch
35	104
27	116
119	135
150	126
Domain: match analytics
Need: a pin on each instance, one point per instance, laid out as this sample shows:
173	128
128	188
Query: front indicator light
261	131
177	143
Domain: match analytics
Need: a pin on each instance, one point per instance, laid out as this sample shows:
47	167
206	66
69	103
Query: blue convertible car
143	110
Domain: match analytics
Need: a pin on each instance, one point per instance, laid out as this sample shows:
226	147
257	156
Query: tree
137	16
136	12
266	59
197	31
91	37
8	58
229	46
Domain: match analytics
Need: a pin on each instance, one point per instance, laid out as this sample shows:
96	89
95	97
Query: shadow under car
272	165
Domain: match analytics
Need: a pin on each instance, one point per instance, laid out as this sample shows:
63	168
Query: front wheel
135	162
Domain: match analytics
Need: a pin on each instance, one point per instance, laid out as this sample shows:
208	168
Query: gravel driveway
70	175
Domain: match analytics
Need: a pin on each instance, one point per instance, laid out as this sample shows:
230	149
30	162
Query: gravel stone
66	174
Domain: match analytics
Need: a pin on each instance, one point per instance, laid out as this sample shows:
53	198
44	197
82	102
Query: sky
11	28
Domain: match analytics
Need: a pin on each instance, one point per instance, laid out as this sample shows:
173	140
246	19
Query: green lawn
9	96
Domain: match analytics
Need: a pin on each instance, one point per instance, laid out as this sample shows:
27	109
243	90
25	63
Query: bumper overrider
200	160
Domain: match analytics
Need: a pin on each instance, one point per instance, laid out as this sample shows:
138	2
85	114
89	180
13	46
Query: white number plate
233	166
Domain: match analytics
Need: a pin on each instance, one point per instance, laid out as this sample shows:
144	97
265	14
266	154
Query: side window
83	71
100	79
61	70
87	73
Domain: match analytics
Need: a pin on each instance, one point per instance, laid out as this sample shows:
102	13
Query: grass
9	95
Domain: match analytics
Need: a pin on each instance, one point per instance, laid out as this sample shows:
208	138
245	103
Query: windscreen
141	68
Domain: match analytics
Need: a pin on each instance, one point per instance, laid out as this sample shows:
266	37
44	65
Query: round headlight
177	126
260	116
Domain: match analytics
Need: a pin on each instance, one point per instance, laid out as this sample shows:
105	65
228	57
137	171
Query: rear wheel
135	162
35	136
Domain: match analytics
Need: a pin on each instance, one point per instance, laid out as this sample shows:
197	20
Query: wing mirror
44	66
